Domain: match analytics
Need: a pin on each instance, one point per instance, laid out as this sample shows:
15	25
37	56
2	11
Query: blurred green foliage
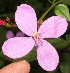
10	6
62	44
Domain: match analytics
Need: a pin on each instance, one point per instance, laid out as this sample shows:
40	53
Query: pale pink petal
17	47
26	20
53	27
47	56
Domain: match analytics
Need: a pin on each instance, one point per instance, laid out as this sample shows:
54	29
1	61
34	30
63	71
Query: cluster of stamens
37	39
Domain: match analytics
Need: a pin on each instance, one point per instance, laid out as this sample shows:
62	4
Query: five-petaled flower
26	21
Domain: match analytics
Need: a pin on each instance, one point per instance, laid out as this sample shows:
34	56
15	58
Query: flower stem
53	4
50	1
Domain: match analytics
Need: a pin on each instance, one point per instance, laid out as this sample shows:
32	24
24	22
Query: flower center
35	34
37	39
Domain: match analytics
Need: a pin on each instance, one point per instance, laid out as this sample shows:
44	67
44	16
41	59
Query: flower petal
20	34
47	56
53	27
26	19
9	34
17	47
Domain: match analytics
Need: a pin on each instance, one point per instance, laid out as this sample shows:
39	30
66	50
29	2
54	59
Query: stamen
34	34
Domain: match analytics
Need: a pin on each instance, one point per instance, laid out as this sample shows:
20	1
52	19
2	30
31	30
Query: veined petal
53	27
26	19
17	47
47	56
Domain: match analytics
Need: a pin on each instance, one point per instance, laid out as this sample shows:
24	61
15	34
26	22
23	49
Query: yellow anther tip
34	34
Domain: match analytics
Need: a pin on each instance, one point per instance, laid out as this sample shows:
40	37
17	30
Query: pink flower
20	34
10	34
26	21
2	22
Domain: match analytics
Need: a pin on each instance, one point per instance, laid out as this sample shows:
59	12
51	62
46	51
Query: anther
34	34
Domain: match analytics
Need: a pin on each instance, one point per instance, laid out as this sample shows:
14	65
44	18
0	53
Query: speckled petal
53	27
17	47
26	20
47	56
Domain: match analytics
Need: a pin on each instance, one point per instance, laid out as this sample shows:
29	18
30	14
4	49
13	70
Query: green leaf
55	71
2	36
63	11
67	2
65	63
7	15
68	39
4	57
58	43
1	62
31	56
